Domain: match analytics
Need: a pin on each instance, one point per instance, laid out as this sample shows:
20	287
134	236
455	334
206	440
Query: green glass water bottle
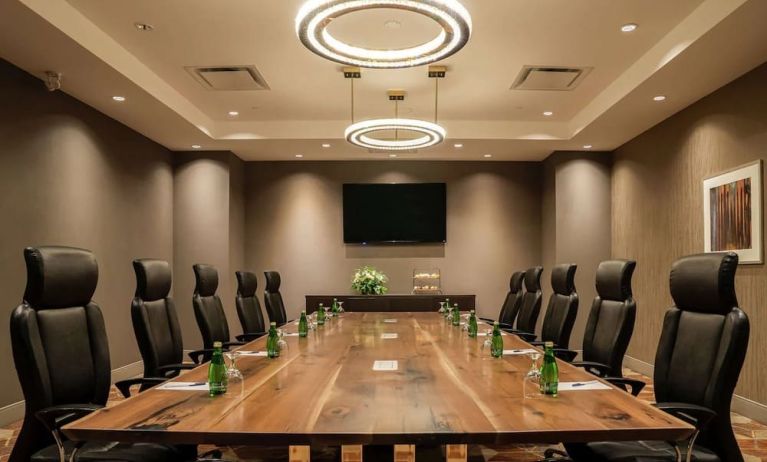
473	327
334	307
303	325
496	345
456	315
549	371
321	315
272	342
217	371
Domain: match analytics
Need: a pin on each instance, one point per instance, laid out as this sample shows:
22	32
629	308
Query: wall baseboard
743	406
15	411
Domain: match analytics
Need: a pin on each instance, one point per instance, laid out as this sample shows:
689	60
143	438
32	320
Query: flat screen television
395	213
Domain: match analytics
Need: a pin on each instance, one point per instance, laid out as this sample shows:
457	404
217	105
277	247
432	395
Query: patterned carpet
752	437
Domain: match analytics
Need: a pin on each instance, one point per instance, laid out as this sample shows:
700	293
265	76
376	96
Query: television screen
404	213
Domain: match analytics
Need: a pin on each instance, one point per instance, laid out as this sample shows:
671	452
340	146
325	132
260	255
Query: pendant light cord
352	81
436	99
396	116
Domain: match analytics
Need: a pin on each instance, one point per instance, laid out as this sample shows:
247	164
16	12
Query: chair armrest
227	345
145	382
699	416
487	320
555	455
249	336
197	356
565	355
625	384
598	369
55	417
538	343
526	336
176	367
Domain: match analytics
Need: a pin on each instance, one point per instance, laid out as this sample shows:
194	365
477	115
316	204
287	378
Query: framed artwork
732	212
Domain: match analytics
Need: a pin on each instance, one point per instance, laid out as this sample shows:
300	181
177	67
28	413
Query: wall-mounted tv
395	213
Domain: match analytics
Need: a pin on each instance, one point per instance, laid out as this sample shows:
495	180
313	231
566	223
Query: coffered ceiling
682	49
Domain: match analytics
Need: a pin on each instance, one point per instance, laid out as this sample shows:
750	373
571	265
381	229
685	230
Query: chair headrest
206	280
563	278
60	277
614	279
153	279
705	283
533	279
273	281
515	284
247	283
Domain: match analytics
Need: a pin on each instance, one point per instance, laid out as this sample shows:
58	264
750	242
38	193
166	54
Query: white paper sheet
485	334
390	321
184	386
587	385
290	334
525	351
385	365
251	353
389	336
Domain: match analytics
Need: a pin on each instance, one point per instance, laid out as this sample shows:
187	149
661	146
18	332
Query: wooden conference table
322	390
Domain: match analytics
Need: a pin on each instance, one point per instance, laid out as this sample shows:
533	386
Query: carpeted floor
752	437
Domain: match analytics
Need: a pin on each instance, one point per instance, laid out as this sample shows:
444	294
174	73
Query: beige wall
294	225
208	228
576	223
657	207
71	176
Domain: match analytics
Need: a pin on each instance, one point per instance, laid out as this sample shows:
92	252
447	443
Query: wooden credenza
394	303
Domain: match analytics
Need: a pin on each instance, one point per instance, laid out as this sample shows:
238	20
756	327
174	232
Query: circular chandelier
315	15
357	134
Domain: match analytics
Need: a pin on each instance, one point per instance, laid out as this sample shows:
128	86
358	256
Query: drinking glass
532	385
234	376
341	307
488	343
441	307
281	343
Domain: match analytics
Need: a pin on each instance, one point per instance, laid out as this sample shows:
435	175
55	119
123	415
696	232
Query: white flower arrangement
369	281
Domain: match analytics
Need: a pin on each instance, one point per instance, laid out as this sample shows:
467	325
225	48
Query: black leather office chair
275	307
209	311
511	304
155	322
61	354
611	321
701	351
562	308
530	306
248	307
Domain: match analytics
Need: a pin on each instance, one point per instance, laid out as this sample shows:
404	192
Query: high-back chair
530	306
610	323
61	354
208	309
248	306
155	321
562	308
275	307
701	351
511	303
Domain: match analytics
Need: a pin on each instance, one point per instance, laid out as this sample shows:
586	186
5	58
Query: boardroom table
322	391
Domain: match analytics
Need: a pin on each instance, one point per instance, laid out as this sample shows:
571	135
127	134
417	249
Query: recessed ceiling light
392	155
392	24
325	145
630	27
659	98
144	27
587	146
458	145
119	99
548	113
487	156
196	146
233	113
299	155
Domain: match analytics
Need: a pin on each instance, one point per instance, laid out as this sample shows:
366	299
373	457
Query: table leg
299	453
351	453
456	452
404	453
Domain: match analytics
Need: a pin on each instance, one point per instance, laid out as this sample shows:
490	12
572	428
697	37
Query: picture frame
732	212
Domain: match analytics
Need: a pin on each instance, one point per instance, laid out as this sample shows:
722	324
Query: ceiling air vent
552	78
229	78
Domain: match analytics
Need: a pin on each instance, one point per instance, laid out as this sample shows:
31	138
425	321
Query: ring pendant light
315	16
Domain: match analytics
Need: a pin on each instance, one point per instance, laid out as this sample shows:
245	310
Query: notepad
385	365
184	386
388	336
251	353
389	321
587	385
525	351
